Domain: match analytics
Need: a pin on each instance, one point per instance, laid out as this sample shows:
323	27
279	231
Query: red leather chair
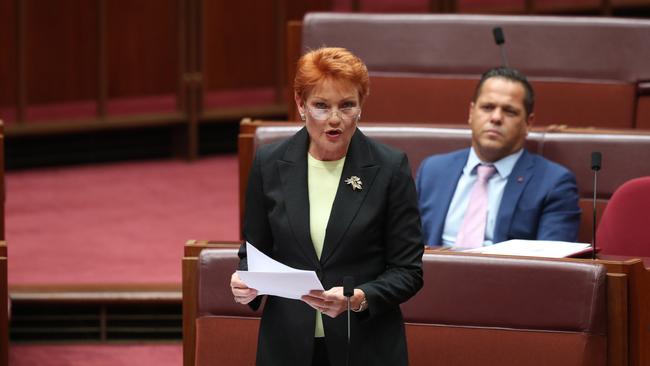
623	229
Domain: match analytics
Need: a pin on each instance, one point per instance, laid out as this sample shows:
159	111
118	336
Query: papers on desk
534	248
270	277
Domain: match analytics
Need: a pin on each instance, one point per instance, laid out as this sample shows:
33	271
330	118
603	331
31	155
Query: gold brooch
355	182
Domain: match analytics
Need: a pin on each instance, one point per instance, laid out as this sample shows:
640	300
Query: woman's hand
332	302
242	293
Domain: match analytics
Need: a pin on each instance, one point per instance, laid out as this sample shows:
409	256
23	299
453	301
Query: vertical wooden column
198	55
181	102
21	39
280	61
293	53
606	8
192	39
529	6
190	294
617	319
442	6
102	78
3	194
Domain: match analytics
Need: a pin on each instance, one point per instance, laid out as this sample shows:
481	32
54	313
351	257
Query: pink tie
472	231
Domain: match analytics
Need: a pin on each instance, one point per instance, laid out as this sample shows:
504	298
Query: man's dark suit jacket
373	234
540	200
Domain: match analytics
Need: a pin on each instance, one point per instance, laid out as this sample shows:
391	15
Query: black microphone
348	291
500	39
596	159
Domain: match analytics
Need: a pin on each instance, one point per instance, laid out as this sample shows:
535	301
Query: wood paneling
296	9
243	43
61	50
388	6
240	44
8	62
142	47
490	6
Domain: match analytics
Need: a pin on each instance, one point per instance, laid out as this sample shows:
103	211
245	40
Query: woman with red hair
332	200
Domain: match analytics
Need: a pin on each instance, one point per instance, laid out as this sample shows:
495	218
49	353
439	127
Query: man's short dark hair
512	75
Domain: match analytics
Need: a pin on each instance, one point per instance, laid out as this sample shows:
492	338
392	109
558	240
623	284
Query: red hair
330	62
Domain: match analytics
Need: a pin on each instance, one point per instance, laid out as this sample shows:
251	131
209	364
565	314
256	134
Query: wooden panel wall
244	42
142	47
61	50
92	50
8	60
239	44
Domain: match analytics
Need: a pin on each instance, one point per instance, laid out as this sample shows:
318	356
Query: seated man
496	190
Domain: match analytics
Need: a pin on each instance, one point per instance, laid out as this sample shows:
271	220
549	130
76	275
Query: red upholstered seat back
226	332
507	311
418	141
625	152
624	227
424	67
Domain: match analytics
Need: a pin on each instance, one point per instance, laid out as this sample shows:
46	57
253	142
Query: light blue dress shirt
460	201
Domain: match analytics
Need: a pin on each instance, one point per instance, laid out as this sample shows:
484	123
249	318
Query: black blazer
373	234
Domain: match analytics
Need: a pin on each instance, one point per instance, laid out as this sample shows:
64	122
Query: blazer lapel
447	187
519	177
360	163
293	175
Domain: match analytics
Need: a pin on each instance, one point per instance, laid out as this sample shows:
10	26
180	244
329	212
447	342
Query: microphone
596	158
348	291
500	39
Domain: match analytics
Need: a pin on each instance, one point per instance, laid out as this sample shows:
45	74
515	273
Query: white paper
534	248
270	277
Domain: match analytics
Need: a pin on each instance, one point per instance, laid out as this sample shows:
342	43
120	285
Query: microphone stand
348	291
593	226
348	323
596	159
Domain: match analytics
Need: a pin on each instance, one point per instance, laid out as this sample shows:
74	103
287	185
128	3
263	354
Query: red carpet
116	223
96	355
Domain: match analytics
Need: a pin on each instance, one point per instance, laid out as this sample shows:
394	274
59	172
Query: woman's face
331	112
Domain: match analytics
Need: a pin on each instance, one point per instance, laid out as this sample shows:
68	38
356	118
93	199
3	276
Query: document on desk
534	248
270	277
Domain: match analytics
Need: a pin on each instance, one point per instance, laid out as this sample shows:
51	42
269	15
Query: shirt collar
503	167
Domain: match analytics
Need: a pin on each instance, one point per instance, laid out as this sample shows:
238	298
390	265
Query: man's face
498	119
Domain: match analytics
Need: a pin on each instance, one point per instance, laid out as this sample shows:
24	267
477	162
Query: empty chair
623	229
226	332
476	310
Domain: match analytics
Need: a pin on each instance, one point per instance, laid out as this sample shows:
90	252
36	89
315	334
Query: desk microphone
596	159
500	39
348	291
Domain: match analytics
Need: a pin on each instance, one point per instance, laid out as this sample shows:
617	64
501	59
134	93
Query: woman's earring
302	116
